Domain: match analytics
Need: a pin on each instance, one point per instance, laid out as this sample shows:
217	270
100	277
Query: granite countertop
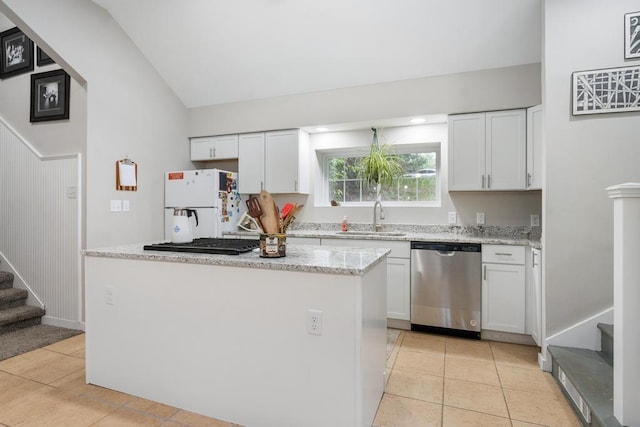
301	258
492	235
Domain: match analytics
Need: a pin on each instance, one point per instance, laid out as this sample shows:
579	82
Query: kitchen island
229	336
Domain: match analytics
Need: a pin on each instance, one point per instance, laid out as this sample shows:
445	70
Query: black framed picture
610	90
632	35
17	53
42	58
50	96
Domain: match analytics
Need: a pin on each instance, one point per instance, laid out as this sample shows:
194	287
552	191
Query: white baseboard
63	323
399	324
584	334
19	282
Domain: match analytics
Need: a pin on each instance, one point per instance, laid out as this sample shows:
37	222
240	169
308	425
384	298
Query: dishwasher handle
445	253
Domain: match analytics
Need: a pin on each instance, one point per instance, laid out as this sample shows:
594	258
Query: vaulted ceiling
214	51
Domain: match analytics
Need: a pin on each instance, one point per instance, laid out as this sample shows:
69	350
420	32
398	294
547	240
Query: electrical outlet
116	206
125	206
314	322
535	220
72	192
453	218
109	295
480	218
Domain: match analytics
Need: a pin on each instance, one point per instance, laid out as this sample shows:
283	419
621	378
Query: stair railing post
626	302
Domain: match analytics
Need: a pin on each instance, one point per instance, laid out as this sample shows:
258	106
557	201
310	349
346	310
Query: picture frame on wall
632	35
42	58
50	96
17	53
609	90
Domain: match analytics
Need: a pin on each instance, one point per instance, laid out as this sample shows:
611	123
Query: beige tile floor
441	381
433	381
46	387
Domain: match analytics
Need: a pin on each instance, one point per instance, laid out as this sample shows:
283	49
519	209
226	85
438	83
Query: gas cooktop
207	246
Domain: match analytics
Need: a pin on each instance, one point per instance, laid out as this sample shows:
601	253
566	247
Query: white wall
496	89
584	155
500	208
130	112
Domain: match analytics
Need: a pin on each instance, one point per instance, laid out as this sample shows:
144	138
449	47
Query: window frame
322	196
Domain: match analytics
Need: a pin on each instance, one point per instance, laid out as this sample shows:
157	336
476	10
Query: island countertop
301	258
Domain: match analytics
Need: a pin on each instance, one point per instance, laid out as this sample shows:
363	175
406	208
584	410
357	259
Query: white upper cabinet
251	163
274	161
535	129
214	148
487	151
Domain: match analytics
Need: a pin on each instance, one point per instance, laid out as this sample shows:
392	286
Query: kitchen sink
370	233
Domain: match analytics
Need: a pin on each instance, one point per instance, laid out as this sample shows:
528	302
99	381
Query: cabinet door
398	289
467	152
535	128
503	298
251	163
506	150
535	306
214	148
281	162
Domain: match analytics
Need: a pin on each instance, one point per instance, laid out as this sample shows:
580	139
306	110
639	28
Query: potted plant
381	166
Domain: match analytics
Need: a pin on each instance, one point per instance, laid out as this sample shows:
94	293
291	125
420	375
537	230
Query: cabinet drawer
503	254
398	249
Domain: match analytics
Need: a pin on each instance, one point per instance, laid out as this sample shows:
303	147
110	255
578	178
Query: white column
626	300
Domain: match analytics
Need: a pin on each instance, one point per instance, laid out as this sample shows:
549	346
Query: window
418	185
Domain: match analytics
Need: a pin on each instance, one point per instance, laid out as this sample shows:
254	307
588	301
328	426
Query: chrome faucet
376	226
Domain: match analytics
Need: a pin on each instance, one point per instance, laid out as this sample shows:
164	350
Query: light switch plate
125	205
116	206
480	218
453	218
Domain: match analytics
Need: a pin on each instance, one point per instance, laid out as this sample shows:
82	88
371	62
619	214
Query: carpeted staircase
586	378
14	314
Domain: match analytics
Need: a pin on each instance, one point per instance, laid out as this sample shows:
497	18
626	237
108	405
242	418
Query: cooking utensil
291	216
270	217
286	209
255	210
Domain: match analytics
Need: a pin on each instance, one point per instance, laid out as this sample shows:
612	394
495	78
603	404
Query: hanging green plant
381	166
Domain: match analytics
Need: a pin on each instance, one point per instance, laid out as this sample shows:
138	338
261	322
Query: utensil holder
273	245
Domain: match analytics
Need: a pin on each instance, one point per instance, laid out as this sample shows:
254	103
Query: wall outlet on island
480	218
535	220
314	322
453	218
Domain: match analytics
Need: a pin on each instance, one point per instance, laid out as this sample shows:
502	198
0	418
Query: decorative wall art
50	96
610	90
17	53
42	58
632	35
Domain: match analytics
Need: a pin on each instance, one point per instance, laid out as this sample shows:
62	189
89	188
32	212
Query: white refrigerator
212	193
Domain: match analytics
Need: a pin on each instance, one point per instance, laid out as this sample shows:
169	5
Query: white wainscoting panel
39	199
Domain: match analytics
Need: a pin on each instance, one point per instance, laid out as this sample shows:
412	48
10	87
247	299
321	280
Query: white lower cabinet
399	288
503	288
534	294
398	272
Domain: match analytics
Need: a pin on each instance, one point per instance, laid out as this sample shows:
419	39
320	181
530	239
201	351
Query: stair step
6	280
606	341
592	377
19	317
10	298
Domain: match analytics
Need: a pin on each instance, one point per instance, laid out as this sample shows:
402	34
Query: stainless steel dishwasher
446	288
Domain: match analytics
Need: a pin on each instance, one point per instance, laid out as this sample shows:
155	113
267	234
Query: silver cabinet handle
261	185
214	152
210	152
482	181
528	180
488	181
503	254
484	272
